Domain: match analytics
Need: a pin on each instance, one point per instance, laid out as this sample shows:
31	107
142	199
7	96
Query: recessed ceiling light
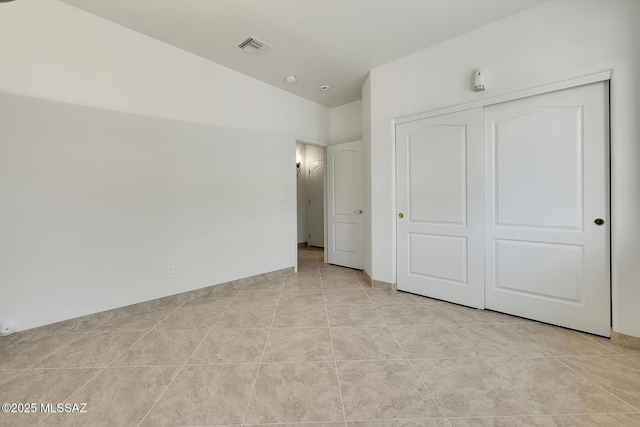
291	79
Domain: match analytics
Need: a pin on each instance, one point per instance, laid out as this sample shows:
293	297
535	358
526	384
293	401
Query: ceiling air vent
254	46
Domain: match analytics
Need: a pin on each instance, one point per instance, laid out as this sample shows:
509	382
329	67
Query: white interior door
546	178
316	203
344	205
440	211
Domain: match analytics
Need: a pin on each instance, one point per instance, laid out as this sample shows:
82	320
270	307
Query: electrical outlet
171	271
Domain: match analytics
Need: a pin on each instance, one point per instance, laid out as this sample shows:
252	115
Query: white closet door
546	182
439	205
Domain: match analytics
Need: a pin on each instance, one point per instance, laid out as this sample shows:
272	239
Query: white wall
120	155
51	50
346	123
97	204
556	41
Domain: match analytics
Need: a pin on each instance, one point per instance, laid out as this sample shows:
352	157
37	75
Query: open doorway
310	172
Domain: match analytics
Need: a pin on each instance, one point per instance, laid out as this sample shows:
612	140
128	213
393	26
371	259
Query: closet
506	207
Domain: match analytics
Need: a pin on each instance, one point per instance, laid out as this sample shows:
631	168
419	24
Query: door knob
599	221
359	211
400	215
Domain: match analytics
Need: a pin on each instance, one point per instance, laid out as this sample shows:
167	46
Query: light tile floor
320	348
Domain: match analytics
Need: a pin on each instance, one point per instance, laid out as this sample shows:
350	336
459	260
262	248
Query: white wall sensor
478	81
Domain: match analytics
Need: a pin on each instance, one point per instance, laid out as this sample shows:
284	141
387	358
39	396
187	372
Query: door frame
294	180
553	87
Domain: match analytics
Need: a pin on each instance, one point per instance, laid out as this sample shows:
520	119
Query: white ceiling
322	42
